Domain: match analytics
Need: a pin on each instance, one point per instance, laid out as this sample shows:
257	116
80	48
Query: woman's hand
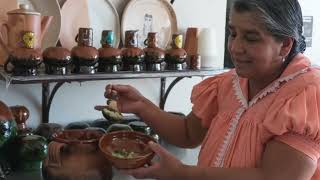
167	168
129	100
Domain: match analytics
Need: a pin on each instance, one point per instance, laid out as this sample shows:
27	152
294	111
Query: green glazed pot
8	130
28	151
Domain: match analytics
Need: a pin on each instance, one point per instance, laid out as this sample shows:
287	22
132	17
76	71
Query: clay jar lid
54	55
107	52
158	52
132	52
24	10
58	53
26	54
85	52
179	52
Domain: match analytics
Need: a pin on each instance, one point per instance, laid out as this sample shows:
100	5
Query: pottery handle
2	43
54	154
76	38
6	64
146	42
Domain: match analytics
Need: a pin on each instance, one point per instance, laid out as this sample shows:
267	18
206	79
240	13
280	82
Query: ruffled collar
299	65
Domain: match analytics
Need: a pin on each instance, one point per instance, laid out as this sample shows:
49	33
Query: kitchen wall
309	8
75	101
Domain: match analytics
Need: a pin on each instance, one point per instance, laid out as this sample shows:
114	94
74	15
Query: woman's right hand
129	100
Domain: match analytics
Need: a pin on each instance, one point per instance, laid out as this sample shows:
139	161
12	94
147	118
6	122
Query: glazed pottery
133	56
110	58
21	115
84	56
8	131
8	127
25	28
46	130
27	150
126	142
5	6
57	60
74	154
176	56
77	125
23	61
154	56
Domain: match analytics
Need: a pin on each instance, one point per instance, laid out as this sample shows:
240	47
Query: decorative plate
97	14
150	16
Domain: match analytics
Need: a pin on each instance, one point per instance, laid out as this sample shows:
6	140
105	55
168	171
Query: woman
259	121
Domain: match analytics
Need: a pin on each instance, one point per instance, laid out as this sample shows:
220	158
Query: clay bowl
126	149
75	136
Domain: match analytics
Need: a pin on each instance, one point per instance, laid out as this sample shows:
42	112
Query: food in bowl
124	154
126	149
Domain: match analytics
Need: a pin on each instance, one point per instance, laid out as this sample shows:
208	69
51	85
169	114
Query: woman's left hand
168	167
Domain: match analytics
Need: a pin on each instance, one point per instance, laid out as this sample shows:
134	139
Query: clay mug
25	29
85	37
107	38
151	40
131	38
177	41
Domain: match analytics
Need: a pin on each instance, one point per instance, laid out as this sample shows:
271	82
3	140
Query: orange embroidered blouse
287	110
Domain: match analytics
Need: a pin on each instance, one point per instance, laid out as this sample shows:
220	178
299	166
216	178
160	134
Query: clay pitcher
24	28
75	155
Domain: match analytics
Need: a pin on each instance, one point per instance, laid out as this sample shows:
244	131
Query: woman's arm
280	162
183	132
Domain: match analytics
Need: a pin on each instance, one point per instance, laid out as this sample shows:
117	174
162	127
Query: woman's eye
251	38
232	35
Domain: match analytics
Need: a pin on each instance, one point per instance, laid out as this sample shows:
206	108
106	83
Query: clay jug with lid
153	54
25	28
131	53
75	155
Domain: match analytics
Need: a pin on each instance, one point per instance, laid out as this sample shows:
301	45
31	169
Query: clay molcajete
75	154
133	56
176	56
25	29
110	57
84	56
154	56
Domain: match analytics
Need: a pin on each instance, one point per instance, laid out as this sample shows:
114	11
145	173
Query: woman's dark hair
282	18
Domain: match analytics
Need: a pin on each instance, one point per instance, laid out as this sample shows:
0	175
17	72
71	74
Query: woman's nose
236	46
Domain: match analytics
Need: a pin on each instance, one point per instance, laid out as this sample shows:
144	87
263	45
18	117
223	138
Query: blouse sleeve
295	121
204	99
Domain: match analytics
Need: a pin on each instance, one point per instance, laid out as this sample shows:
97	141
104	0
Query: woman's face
254	52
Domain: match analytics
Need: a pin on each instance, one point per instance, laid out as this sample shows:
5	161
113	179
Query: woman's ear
287	45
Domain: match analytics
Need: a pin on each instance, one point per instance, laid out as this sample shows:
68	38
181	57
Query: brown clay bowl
75	136
126	141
